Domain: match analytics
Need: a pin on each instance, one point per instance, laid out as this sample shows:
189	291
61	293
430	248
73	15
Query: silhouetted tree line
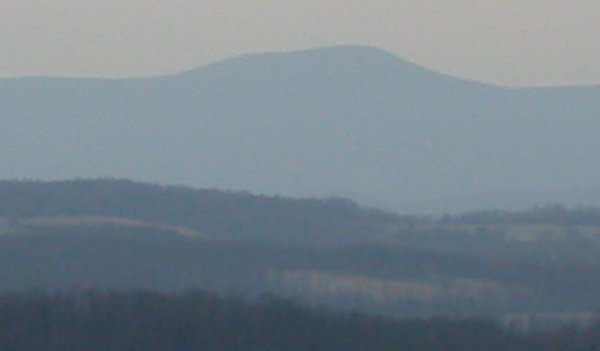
150	321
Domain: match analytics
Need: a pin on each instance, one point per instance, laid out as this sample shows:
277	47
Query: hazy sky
510	42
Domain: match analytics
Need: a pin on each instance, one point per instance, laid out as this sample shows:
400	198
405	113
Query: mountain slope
349	121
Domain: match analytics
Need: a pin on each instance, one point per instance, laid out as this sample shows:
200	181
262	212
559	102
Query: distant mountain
344	121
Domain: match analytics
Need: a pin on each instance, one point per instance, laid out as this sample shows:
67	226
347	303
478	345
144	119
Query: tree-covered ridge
221	214
130	321
217	210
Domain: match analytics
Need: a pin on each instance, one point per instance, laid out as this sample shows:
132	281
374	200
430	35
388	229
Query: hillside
120	234
220	214
345	121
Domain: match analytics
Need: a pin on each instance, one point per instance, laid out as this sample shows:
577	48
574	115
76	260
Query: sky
506	42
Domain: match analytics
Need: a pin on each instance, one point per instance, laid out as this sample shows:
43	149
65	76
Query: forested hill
122	234
219	214
243	214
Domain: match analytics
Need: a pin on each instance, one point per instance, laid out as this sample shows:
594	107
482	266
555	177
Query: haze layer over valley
348	121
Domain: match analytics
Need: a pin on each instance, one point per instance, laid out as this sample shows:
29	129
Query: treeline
555	214
129	321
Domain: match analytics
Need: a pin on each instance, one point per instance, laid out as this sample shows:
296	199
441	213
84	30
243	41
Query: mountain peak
344	60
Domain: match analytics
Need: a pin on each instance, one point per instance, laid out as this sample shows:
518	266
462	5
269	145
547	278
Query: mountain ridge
314	123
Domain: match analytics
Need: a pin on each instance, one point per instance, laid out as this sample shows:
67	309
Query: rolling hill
119	234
